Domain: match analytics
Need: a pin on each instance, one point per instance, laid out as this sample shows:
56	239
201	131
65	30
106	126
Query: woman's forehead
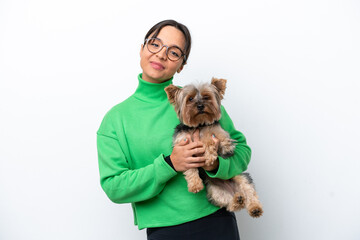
171	36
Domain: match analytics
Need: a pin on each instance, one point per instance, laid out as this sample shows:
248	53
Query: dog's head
197	105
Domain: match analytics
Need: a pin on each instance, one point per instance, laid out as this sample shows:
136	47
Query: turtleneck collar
151	92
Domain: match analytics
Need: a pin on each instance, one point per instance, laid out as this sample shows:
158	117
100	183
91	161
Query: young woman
138	164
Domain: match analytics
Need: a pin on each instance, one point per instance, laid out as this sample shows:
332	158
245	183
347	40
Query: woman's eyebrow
174	45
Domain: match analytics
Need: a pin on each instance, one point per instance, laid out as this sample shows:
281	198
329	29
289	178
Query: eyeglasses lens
155	45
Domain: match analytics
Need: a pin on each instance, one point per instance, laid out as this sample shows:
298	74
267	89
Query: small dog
199	108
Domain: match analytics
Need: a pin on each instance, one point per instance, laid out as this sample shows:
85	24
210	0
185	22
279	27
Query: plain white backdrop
293	90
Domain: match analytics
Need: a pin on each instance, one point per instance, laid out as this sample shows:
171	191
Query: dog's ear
220	85
172	91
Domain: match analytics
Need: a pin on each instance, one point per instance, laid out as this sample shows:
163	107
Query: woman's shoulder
113	117
123	106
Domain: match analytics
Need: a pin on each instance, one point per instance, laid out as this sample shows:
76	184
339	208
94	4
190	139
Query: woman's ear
180	68
141	49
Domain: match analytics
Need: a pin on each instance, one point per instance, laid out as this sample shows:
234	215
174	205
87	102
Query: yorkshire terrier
198	108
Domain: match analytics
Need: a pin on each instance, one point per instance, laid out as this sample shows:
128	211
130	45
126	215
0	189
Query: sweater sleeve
122	184
236	164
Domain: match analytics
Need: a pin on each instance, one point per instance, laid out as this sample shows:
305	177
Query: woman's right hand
188	154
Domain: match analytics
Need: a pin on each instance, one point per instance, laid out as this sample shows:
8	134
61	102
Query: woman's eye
175	54
155	45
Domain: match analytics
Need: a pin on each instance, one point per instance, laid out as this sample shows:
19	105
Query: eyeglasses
173	53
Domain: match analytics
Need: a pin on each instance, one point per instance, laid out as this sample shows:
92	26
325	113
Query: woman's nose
162	53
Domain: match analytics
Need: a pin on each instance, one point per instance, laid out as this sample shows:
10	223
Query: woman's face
157	67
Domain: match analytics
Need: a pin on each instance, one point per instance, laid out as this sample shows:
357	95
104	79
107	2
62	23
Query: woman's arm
120	183
237	163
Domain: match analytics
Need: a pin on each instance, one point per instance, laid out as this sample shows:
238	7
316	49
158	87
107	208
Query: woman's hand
188	154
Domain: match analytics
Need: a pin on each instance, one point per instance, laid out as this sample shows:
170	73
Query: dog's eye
190	99
206	98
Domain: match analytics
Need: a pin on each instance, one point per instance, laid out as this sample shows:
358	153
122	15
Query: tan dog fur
198	107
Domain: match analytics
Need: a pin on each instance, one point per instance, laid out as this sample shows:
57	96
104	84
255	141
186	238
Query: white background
293	90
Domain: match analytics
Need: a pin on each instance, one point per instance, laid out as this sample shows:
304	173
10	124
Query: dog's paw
227	148
195	188
255	210
210	158
237	203
241	200
195	185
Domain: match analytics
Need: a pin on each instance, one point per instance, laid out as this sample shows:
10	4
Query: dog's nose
200	107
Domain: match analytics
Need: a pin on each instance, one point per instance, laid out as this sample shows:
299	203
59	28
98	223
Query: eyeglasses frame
167	48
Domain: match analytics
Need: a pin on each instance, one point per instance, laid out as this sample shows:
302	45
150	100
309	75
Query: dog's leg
194	181
252	202
226	144
218	196
223	193
226	147
239	196
210	153
192	177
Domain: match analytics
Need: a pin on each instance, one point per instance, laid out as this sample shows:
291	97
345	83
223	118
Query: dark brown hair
157	27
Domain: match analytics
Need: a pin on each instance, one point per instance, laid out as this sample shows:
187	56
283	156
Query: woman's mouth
157	66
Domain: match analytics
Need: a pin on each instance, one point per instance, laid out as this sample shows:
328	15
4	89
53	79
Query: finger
194	165
196	135
195	160
215	139
188	136
193	145
183	142
195	151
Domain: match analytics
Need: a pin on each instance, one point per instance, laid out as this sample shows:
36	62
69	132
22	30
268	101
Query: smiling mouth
157	66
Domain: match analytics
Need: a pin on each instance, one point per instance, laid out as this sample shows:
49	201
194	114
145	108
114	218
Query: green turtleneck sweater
133	140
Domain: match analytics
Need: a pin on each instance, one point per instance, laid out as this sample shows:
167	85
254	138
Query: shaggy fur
198	107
